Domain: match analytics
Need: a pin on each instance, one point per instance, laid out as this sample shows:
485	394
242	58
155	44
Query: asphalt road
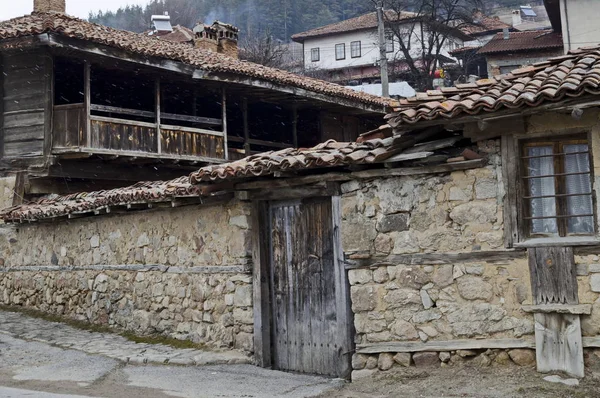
34	369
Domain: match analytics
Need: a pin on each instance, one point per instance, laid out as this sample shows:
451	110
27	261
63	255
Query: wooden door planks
306	329
553	275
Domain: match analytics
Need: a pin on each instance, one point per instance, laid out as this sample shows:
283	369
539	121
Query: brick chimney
219	37
49	6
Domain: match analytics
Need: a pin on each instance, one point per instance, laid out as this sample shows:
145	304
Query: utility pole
385	82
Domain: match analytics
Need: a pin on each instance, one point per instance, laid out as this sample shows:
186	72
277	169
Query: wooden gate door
309	310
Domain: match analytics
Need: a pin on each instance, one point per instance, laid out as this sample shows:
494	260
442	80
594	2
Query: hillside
281	18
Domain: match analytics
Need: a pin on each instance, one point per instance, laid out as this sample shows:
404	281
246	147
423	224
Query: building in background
513	50
348	51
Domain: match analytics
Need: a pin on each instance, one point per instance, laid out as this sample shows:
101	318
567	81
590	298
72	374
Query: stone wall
401	231
179	272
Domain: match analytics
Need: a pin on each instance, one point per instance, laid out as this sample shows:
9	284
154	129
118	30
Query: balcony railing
74	130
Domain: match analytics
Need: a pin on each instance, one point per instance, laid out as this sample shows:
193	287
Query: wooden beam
157	111
245	124
48	102
21	181
501	257
1	106
433	145
295	125
87	98
408	171
224	107
261	293
345	324
122	111
292	182
574	309
451	345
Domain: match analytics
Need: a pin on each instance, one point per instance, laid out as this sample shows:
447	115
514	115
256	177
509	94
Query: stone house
466	227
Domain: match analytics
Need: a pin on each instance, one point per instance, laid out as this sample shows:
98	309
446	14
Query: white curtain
578	184
542	207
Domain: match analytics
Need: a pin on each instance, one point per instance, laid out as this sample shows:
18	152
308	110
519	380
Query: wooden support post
342	295
246	130
295	125
224	105
558	338
157	111
48	104
1	107
260	285
87	73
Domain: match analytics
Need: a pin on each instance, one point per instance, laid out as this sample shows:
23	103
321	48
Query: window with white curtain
557	183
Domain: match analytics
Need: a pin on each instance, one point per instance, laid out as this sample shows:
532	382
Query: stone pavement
110	345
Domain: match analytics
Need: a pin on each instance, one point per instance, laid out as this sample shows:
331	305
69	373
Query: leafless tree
264	50
421	30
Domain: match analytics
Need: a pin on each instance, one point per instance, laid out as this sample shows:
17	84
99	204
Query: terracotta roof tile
61	24
573	75
366	21
60	206
327	154
523	41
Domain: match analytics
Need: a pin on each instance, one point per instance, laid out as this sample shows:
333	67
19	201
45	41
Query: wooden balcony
75	130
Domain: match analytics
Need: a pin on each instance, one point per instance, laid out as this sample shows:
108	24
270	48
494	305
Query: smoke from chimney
49	6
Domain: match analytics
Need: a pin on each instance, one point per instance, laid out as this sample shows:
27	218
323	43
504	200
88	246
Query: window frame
314	50
343	46
524	200
352	43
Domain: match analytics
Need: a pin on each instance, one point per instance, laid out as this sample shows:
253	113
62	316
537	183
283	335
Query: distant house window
389	42
340	51
315	55
557	186
355	51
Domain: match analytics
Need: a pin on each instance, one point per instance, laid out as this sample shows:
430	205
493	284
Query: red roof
523	42
576	74
482	24
366	21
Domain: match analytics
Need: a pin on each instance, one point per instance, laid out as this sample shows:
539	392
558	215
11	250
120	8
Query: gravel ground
491	382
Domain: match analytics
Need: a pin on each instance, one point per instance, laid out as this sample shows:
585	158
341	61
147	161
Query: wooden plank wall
123	137
24	101
191	144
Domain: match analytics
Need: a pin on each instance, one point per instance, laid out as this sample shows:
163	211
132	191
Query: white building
349	49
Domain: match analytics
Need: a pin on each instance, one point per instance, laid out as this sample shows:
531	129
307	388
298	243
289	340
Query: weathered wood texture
125	137
69	126
305	313
24	98
451	345
191	144
559	345
553	275
260	284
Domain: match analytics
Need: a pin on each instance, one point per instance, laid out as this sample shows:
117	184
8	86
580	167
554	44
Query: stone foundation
367	365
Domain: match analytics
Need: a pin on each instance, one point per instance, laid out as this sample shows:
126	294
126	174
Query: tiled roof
61	24
327	154
142	192
180	34
483	24
464	50
366	21
573	75
523	42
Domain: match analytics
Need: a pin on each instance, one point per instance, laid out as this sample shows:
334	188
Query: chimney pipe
506	33
50	6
